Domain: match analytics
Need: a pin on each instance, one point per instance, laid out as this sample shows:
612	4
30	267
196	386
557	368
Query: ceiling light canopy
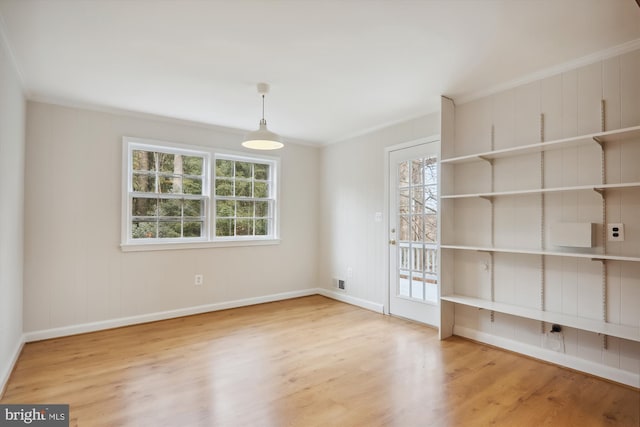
263	138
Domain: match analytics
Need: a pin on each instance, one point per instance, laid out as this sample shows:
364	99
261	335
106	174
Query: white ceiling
336	68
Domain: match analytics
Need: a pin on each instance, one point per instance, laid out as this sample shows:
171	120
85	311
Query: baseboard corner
349	299
8	370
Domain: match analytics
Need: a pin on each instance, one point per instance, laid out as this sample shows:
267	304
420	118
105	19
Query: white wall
352	191
75	272
12	124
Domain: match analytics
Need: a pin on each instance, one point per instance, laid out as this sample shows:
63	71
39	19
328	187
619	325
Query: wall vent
339	284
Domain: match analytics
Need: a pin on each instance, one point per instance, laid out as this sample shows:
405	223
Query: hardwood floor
305	362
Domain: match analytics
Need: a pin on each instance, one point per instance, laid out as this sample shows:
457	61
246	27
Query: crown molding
592	58
67	103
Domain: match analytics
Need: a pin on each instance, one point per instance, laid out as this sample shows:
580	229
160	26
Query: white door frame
387	153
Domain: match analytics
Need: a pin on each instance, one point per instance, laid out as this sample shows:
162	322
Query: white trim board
359	302
162	315
6	373
561	359
188	311
122	112
592	58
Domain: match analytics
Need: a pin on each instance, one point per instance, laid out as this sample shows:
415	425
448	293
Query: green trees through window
168	197
242	198
176	194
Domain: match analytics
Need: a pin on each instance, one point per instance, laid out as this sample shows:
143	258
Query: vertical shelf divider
603	171
493	223
542	226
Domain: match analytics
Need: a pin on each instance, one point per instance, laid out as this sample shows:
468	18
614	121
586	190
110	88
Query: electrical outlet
349	273
615	232
198	279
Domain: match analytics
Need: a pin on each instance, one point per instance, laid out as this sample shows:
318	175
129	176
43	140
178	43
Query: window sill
142	247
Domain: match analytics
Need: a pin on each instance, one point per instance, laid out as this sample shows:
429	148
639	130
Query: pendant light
263	138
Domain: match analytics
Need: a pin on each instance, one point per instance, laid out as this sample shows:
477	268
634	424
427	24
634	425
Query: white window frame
272	197
208	239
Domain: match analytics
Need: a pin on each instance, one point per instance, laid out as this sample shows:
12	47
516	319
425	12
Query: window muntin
175	194
244	198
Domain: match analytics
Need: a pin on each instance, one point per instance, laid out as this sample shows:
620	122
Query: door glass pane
404	201
430	171
403	231
416	257
417	228
403	283
417	219
416	172
417	200
430	228
403	174
431	198
405	256
417	285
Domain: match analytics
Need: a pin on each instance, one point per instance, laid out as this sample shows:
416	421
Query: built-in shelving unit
451	284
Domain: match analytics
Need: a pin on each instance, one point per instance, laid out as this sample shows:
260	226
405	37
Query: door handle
392	242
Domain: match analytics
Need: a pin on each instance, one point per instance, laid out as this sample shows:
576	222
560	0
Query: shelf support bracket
486	159
600	191
489	198
598	141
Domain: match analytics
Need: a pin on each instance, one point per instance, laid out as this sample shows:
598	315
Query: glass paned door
413	226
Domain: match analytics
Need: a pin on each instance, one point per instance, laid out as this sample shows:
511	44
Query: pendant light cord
263	121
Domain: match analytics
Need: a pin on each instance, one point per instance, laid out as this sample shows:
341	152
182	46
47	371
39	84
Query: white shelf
542	252
598	326
596	187
600	137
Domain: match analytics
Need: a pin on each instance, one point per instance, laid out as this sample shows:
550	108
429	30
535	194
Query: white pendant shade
263	138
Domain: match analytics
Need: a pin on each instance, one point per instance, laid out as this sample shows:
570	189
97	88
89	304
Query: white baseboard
6	372
369	305
152	317
572	362
170	314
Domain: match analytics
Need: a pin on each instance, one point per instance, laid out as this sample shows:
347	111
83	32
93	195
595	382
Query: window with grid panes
178	194
168	193
244	197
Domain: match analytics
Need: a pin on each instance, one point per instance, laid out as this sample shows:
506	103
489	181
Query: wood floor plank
305	362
